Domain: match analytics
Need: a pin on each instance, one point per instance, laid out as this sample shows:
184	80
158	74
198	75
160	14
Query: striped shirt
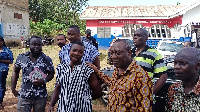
90	53
151	61
75	93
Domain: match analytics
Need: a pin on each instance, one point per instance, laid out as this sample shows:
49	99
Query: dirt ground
10	104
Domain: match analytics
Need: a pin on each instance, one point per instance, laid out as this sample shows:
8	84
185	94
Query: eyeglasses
139	35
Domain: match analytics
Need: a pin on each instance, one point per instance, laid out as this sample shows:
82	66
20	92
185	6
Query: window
163	33
156	31
128	30
153	32
160	31
18	16
104	32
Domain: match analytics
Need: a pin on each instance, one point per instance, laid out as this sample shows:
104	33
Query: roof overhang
86	18
185	9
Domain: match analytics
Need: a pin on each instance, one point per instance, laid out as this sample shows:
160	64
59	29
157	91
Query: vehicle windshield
173	47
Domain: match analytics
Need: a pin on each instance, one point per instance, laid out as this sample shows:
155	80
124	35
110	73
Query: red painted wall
121	22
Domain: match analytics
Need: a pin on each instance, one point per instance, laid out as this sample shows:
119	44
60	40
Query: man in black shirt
89	38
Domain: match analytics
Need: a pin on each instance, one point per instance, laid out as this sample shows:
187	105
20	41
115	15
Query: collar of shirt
28	54
4	48
195	90
42	55
130	67
145	49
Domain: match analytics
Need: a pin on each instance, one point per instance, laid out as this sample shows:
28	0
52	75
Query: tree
60	11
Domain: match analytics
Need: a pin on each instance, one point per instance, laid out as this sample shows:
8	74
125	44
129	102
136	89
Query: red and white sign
121	22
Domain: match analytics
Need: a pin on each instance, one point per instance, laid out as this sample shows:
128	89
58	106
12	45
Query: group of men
131	85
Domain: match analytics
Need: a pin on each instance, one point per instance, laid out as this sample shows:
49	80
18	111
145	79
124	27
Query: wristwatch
45	81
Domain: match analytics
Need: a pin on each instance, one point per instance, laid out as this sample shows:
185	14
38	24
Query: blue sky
134	2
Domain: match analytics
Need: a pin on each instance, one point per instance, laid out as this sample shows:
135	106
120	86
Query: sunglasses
139	35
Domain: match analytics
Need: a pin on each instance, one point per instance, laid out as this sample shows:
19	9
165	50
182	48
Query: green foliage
50	17
45	27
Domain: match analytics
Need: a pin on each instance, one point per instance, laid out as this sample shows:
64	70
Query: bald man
150	60
184	96
187	44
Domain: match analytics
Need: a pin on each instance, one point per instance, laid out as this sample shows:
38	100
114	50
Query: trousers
25	105
3	76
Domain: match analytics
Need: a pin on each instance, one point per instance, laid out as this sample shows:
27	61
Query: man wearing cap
88	38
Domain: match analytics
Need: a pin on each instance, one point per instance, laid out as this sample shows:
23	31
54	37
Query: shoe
1	107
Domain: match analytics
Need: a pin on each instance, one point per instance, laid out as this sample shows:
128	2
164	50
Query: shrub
13	43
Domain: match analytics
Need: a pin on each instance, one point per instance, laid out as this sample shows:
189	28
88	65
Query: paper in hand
37	74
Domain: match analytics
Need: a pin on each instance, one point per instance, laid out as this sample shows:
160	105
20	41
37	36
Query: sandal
1	107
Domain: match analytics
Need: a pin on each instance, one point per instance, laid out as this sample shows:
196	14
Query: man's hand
160	83
39	82
92	66
15	92
50	109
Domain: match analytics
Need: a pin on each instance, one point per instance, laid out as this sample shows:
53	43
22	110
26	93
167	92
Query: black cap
88	31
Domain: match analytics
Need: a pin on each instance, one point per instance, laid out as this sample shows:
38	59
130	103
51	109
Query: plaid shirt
130	91
90	53
179	101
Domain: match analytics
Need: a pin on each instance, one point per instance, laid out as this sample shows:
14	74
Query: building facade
108	22
190	27
14	19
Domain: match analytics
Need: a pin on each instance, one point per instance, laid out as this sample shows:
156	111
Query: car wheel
105	91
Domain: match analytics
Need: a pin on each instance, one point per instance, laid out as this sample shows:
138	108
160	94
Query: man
91	54
61	40
77	84
88	38
130	85
33	93
184	96
149	59
187	44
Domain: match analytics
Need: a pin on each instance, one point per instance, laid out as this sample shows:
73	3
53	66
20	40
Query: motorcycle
25	42
47	40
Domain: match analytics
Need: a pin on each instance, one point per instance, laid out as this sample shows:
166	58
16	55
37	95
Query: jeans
3	76
25	105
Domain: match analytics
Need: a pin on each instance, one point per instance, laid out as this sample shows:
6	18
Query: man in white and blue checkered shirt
91	54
